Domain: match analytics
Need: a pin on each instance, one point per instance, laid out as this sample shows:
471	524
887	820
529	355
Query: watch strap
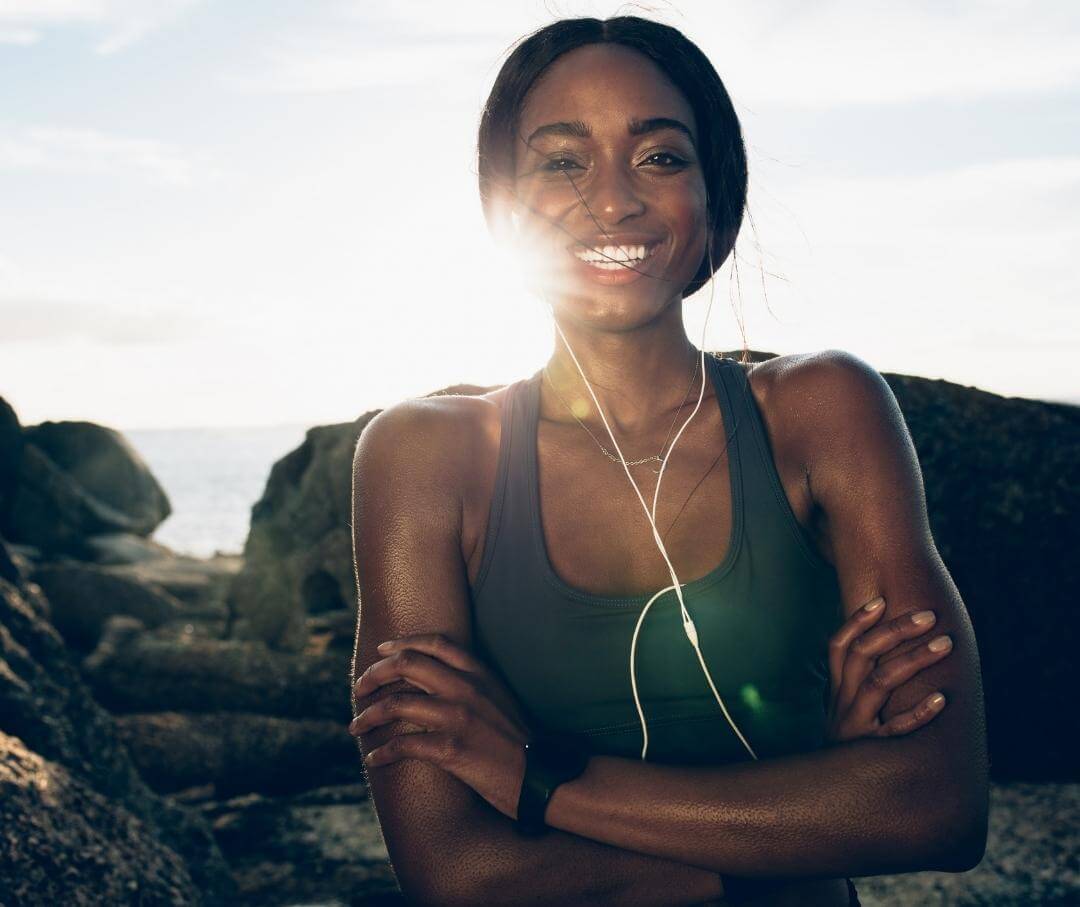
549	762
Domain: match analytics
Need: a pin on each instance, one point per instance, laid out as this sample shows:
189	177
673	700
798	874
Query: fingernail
936	701
874	605
940	644
384	646
923	617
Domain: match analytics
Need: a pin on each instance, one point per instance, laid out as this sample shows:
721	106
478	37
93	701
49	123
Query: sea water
212	476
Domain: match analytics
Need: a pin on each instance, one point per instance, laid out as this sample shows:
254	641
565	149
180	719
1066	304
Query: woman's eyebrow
653	124
574	128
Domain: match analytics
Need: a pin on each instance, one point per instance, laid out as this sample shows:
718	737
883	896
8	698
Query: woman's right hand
861	685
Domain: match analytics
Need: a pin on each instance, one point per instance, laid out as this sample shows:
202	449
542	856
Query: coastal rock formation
105	464
62	483
83	597
52	732
1002	479
140	673
238	753
62	842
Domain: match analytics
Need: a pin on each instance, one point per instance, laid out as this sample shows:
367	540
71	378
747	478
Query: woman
505	552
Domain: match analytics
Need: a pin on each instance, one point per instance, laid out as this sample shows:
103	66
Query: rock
51	511
200	583
144	674
45	703
62	842
298	554
1003	493
83	597
124	548
11	448
239	753
1030	856
311	848
103	462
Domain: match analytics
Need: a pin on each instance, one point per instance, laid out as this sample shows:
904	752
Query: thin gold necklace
607	453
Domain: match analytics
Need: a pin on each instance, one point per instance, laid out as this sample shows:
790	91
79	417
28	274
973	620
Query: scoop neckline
714	575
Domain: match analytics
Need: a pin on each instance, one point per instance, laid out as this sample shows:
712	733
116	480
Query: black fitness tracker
549	762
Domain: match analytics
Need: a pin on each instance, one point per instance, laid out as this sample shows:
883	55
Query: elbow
958	832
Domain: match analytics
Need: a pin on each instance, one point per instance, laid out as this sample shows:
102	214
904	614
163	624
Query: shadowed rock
62	842
140	673
84	597
103	462
238	752
47	706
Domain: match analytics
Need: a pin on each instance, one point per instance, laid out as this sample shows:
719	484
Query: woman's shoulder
444	437
831	376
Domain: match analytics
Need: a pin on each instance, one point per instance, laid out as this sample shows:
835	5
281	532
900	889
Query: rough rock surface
84	597
46	705
62	842
298	554
103	462
141	673
239	752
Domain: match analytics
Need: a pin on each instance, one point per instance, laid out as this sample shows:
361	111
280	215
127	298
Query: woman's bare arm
447	845
868	806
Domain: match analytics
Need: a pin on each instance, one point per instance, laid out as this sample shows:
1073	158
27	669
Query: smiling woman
533	732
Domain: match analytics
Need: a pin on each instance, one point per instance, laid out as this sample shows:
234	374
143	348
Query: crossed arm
633	832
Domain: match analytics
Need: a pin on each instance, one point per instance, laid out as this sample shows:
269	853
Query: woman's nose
613	198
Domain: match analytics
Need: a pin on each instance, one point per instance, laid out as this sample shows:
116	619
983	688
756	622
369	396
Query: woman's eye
560	164
664	159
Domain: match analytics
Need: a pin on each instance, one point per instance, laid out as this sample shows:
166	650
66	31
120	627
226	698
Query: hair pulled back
719	136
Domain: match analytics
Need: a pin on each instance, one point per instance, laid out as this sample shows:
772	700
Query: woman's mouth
614	257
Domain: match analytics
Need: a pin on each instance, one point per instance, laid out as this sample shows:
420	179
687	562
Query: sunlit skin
438	728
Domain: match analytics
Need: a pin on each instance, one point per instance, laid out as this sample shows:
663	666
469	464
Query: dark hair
720	144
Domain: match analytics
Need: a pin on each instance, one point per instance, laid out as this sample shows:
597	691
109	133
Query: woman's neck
639	376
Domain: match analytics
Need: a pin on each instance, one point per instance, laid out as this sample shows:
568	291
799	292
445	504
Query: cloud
76	150
30	320
330	69
21	36
124	22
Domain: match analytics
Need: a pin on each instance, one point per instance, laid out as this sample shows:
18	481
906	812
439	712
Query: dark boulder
103	462
62	842
47	706
84	597
131	671
239	752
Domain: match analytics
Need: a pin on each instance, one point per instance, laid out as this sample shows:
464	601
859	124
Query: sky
256	213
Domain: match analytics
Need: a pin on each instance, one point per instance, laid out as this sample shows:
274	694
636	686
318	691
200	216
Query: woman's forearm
868	807
496	865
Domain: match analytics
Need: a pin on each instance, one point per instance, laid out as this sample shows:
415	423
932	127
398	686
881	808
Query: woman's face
610	199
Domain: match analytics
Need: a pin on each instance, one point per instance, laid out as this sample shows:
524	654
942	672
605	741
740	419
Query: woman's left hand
473	727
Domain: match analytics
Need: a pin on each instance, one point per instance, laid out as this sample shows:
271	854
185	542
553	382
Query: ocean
212	476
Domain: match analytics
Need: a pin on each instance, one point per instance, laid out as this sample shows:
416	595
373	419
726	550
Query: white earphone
650	515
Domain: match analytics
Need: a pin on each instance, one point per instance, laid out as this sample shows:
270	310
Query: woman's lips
613	263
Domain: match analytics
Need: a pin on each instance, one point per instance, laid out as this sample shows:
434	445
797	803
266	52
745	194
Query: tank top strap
509	512
768	511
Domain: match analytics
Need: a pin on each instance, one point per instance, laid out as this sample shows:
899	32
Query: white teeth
611	258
